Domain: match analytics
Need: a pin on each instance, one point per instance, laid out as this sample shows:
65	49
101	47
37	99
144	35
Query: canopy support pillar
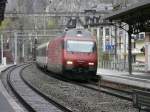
130	50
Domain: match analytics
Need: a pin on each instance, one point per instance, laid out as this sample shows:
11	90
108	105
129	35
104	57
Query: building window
141	36
107	31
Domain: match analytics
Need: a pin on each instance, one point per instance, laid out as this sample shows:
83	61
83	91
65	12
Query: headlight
91	63
69	62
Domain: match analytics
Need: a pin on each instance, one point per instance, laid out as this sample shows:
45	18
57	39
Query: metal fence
121	66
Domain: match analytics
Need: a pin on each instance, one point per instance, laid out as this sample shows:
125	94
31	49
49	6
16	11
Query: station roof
2	9
143	7
137	15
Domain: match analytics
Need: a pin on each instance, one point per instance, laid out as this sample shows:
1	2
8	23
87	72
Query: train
74	52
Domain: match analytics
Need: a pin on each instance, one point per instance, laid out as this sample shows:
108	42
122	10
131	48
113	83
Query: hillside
31	6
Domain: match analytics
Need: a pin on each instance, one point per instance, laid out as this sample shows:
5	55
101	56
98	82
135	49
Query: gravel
78	98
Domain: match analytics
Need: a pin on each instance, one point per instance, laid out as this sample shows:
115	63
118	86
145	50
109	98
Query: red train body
75	51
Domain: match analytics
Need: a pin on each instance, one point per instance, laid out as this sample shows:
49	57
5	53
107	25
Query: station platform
137	79
7	103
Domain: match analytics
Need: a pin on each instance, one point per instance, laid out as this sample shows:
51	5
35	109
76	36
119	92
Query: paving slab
7	103
4	104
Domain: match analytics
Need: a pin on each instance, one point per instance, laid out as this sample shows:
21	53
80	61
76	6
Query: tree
5	24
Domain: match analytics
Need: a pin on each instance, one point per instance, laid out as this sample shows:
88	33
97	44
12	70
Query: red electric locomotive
75	51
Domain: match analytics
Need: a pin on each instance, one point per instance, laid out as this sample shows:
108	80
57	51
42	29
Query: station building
113	47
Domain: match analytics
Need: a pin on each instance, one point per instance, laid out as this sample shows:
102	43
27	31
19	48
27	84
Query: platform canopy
2	9
138	19
136	16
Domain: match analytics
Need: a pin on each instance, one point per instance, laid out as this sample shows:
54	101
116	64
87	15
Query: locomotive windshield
80	46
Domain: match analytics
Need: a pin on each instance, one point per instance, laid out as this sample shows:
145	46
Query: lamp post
1	49
130	50
15	41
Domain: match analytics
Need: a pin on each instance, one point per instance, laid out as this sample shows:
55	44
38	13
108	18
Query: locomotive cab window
80	46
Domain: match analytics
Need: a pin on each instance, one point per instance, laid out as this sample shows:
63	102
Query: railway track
108	90
33	99
100	88
72	95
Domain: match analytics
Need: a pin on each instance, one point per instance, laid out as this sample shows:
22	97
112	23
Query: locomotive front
80	53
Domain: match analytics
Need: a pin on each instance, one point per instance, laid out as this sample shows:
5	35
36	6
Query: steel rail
26	105
46	97
110	91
